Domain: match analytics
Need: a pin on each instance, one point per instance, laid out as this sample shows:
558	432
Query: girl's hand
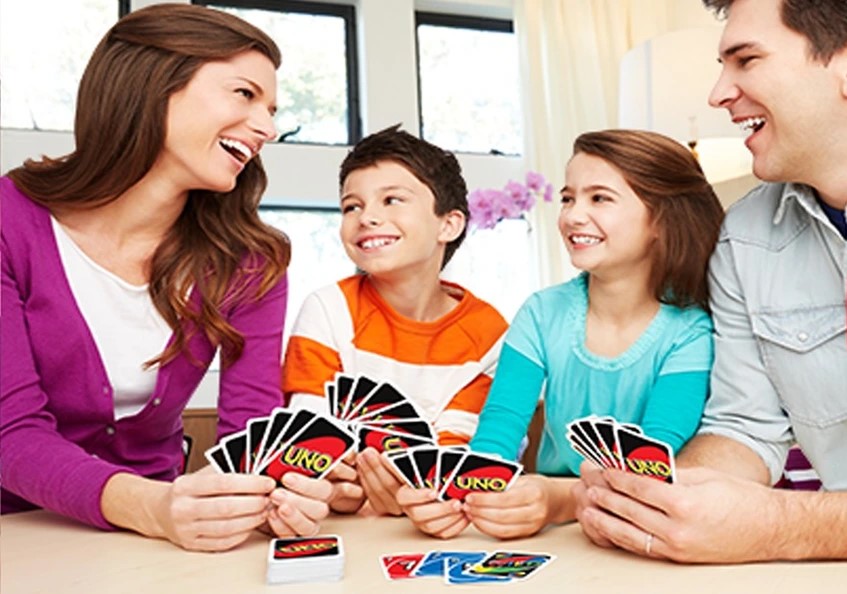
441	519
521	511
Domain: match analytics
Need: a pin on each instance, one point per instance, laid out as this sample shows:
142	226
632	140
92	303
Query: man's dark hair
436	168
822	22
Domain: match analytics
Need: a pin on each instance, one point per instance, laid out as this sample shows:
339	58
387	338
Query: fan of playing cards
362	413
453	472
610	444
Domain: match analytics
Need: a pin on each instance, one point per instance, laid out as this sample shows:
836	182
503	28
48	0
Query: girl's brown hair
683	206
119	129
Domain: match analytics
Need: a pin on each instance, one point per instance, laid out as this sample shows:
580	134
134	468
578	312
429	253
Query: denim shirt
777	282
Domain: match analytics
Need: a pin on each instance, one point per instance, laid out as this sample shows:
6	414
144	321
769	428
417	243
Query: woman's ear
452	225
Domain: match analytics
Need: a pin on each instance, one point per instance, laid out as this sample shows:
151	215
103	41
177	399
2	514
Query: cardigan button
110	430
157	401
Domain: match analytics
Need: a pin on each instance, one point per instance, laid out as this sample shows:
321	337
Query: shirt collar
804	196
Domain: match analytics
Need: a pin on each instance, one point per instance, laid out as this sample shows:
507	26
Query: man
777	282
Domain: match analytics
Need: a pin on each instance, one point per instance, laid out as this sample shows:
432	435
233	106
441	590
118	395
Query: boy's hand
379	483
441	519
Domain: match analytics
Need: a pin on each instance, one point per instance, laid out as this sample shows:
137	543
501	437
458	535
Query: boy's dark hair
433	166
822	22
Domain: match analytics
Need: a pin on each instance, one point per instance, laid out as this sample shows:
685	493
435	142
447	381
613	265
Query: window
469	84
44	47
317	96
494	265
317	256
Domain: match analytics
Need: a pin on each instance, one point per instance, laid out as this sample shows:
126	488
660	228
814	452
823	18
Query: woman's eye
246	93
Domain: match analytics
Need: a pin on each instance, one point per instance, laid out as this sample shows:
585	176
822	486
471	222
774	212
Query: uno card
511	564
400	566
362	387
217	458
580	448
433	563
412	427
256	429
329	394
402	463
479	473
605	427
305	547
404	411
277	423
645	456
385	441
313	452
235	446
585	427
456	570
425	459
448	459
343	383
383	396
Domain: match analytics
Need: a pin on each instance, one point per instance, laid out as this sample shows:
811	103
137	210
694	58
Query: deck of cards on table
452	471
305	559
610	444
361	413
465	567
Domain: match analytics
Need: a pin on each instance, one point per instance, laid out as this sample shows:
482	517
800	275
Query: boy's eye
345	208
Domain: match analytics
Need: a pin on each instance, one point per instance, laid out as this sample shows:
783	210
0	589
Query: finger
454	529
407	496
233	526
443	525
216	544
631	504
344	471
320	489
220	507
520	514
623	534
314	509
499	530
436	510
379	484
293	519
204	484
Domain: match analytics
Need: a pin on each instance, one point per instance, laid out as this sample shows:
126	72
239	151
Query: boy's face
790	104
389	227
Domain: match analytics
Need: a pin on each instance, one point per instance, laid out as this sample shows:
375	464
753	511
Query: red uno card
645	456
476	472
313	452
400	566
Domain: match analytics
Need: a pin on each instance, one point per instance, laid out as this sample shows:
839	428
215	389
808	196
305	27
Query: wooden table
42	552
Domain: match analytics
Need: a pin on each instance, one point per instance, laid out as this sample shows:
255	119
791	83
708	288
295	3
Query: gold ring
648	545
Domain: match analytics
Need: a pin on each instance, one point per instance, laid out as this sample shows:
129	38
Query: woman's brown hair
683	206
120	128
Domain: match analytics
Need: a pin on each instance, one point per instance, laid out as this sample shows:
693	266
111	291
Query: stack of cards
451	471
465	567
610	444
305	559
381	416
286	441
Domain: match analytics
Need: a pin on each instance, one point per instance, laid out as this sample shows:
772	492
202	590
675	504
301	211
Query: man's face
792	105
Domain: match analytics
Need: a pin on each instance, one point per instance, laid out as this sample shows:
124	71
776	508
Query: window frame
347	13
456	21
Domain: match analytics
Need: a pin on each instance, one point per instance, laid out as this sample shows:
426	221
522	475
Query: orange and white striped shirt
445	366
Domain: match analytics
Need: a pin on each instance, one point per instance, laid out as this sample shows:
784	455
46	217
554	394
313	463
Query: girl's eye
599	198
567	199
246	93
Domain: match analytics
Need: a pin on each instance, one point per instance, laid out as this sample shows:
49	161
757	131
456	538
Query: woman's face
218	122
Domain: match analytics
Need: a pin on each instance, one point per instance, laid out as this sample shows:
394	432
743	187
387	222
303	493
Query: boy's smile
389	225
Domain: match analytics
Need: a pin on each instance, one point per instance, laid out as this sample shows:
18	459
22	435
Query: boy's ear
452	225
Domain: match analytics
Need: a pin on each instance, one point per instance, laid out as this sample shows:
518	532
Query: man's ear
839	63
452	225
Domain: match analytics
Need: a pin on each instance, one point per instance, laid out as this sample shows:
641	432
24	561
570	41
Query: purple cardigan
59	440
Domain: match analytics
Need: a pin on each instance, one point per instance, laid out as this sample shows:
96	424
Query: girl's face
604	224
218	122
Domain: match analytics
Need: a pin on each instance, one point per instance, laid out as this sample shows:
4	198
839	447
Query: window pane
312	91
317	257
469	86
44	47
496	265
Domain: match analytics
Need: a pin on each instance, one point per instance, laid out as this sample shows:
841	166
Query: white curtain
570	57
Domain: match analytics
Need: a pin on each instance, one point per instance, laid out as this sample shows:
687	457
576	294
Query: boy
404	212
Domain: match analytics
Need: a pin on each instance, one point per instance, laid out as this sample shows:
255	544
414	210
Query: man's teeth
239	146
751	124
377	242
585	240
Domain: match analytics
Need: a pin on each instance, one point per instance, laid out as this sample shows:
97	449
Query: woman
126	264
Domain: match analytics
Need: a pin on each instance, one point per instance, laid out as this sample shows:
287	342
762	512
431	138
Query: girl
629	337
125	265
